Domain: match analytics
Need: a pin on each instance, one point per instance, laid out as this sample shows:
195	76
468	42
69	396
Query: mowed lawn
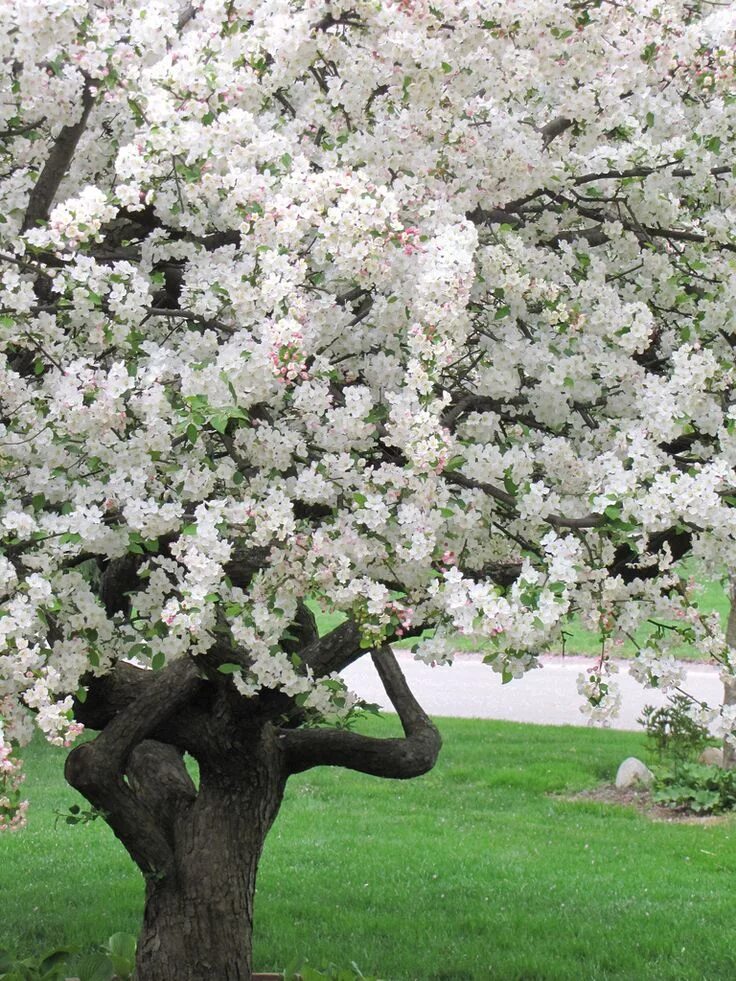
483	869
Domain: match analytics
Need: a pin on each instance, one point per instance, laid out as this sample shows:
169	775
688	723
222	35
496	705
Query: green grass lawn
483	869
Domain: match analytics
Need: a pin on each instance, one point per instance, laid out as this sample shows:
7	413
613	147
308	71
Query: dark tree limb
111	693
554	128
97	769
119	577
398	759
188	13
159	779
194	318
607	175
592	520
44	191
335	650
303	628
629	564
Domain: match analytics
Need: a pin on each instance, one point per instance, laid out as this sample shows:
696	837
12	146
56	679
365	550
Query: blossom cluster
420	312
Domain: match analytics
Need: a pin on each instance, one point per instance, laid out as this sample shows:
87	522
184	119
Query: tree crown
422	311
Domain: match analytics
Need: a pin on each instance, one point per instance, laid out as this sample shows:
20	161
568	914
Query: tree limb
188	13
398	759
556	520
554	128
335	650
159	779
97	768
42	196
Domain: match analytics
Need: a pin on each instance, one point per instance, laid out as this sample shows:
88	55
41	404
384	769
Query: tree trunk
199	847
198	921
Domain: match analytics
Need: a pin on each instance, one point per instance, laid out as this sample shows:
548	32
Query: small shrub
115	962
673	732
681	783
697	788
51	966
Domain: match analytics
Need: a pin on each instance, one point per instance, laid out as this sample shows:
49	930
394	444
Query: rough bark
199	847
97	769
399	759
60	156
198	921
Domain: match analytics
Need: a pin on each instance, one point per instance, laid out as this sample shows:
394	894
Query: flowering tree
419	311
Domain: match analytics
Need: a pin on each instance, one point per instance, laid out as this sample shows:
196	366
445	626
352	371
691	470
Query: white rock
632	772
712	756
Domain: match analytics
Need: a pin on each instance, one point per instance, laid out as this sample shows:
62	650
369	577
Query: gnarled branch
97	769
335	650
554	128
398	759
159	779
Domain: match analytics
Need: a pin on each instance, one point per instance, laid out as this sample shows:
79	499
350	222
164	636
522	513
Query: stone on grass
633	772
712	756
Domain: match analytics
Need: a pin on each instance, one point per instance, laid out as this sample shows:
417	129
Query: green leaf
54	958
219	421
158	660
122	947
229	668
649	53
189	530
94	967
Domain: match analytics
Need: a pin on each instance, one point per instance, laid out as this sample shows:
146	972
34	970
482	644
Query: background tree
420	311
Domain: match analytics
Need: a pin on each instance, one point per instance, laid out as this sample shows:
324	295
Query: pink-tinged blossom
440	339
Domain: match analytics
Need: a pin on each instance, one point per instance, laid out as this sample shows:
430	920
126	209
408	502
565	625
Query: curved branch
159	779
398	759
188	13
335	650
97	768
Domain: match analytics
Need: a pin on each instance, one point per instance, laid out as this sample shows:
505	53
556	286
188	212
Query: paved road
470	689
